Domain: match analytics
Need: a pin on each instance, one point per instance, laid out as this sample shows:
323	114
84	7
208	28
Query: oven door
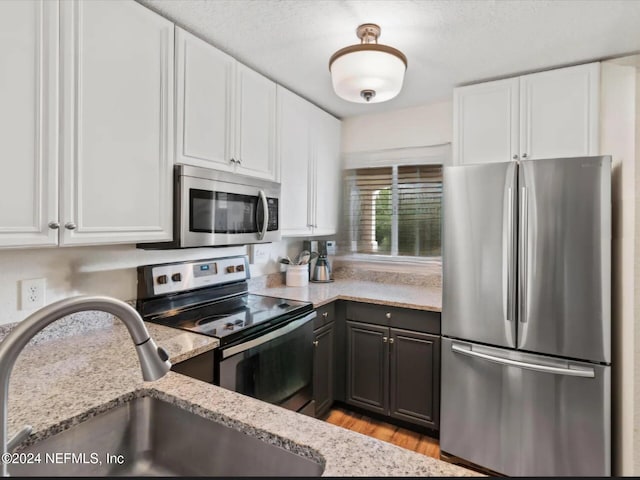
219	212
275	367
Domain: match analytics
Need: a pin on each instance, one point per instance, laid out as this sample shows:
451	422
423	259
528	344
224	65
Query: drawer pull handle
388	315
325	314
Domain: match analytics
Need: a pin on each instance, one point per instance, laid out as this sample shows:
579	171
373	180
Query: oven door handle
289	327
265	207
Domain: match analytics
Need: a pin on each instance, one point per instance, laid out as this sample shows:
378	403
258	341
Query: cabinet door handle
388	315
233	160
239	161
54	225
315	344
70	226
515	157
391	340
384	339
325	314
524	155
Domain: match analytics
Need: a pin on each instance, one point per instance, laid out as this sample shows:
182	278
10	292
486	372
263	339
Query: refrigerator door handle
523	255
510	259
571	371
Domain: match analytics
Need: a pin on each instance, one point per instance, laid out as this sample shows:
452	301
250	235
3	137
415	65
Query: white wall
105	270
617	138
409	127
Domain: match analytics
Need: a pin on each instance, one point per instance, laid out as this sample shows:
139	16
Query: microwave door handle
265	207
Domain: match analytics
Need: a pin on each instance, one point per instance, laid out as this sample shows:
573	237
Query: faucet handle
162	353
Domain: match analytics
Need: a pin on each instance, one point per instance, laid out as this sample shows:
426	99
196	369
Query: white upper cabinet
226	112
309	146
28	122
255	152
327	172
295	163
204	94
559	112
117	123
485	125
549	114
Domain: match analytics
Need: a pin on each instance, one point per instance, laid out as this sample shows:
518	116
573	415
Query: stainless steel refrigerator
526	316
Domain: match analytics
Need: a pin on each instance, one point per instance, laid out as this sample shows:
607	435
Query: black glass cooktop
233	317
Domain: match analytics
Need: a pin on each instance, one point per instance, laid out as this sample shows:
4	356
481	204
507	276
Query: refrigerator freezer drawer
521	414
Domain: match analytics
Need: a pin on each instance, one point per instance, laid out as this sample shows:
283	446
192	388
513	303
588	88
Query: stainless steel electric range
266	343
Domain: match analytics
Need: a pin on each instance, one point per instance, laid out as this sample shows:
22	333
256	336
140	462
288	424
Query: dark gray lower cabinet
323	368
394	372
367	366
415	377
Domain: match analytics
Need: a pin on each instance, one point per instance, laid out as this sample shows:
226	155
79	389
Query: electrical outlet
261	252
32	293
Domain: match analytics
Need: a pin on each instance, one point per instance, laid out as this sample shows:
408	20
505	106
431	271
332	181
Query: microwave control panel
178	277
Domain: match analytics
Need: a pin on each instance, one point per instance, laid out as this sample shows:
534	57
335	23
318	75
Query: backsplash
428	275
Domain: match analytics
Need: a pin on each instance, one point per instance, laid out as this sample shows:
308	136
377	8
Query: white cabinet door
485	127
326	173
28	122
559	112
204	95
294	150
117	100
255	124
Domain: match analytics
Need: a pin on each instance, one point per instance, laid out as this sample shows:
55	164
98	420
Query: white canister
298	275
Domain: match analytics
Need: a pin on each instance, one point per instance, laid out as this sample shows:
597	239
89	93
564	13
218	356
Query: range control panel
182	276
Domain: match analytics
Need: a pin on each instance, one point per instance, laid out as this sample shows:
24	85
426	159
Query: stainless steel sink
150	437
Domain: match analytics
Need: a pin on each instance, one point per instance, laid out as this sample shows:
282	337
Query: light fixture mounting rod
368	33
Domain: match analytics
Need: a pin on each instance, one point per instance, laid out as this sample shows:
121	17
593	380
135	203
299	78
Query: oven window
278	372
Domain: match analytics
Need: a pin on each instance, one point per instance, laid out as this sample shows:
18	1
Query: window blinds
394	210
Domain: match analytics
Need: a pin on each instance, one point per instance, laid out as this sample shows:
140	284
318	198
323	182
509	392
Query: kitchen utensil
305	256
285	261
298	258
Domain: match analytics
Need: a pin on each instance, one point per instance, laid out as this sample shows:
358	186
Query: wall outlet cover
260	253
331	247
32	293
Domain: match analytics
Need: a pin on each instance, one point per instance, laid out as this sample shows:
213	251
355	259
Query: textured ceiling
447	42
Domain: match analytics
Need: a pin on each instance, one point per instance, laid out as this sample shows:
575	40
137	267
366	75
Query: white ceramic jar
297	275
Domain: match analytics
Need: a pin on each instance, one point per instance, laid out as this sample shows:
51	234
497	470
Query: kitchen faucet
154	360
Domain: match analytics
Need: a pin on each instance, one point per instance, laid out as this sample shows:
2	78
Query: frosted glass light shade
367	68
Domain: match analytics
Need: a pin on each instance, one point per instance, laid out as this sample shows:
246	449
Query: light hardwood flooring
384	431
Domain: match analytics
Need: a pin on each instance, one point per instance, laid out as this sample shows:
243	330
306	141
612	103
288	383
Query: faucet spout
154	360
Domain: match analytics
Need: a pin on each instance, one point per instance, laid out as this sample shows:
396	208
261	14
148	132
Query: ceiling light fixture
367	72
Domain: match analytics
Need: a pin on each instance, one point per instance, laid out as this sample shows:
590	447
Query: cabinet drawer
418	320
326	314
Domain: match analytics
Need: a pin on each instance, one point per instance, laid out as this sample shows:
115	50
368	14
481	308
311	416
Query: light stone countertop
397	295
60	382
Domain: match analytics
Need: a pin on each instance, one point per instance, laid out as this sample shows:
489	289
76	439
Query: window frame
425	155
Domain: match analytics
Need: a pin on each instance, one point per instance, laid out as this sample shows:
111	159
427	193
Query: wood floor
384	431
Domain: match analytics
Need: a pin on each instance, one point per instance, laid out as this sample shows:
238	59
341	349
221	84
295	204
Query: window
394	210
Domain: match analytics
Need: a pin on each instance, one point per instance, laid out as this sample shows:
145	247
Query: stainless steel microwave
213	209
